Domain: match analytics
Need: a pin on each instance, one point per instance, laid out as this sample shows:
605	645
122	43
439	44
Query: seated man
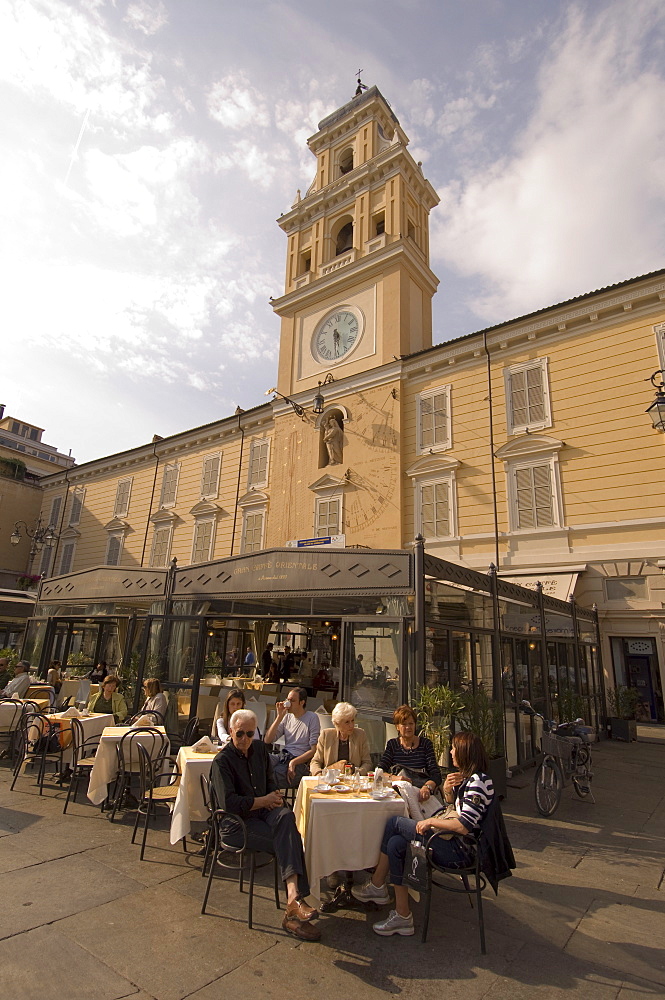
18	686
243	781
300	729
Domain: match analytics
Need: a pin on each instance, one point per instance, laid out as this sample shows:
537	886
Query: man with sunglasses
243	780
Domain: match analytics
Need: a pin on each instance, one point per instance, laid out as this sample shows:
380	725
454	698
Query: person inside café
108	700
469	788
18	686
412	753
300	729
5	673
98	673
343	743
244	783
234	701
155	699
266	659
54	675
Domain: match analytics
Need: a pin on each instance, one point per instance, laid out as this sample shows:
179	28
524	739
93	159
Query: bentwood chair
229	834
129	760
11	711
159	784
83	759
156	718
38	741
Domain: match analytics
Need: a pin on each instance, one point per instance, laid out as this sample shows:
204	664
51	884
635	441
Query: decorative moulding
527	445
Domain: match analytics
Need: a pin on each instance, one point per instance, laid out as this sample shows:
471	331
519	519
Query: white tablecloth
341	833
106	760
93	725
10	715
189	805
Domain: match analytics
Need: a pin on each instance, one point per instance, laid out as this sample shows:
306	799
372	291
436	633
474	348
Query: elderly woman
109	700
412	752
471	791
344	742
155	699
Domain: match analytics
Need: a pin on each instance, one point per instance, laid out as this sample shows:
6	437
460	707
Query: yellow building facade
525	446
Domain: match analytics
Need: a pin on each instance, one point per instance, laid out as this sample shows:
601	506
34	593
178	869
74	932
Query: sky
150	145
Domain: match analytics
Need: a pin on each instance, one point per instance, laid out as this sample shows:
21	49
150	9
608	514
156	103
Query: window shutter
169	486
160	546
202	541
56	507
527	396
210	476
435	510
113	551
533	492
258	463
77	506
433	419
327	517
121	508
253	531
67	558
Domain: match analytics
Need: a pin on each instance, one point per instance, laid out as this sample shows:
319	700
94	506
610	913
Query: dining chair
38	741
159	784
11	711
229	834
83	759
127	748
156	718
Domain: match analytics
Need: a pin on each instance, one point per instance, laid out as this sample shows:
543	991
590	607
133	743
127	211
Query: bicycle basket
559	746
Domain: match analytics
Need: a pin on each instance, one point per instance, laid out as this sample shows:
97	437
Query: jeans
274	831
280	767
399	831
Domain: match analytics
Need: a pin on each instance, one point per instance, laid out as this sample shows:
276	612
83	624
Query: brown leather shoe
304	931
299	910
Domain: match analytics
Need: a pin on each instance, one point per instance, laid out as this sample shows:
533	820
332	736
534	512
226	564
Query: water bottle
377	790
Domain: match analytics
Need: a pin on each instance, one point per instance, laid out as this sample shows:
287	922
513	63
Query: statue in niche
333	437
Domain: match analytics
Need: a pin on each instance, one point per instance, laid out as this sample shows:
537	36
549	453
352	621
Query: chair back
129	748
391	731
10	714
83	693
153	770
259	708
191	733
156	718
82	747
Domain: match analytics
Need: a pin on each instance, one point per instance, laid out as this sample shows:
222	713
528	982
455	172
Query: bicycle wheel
583	755
548	784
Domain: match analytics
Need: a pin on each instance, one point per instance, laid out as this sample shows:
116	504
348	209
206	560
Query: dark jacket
238	780
496	853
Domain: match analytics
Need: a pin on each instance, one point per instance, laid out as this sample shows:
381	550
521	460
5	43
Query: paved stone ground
584	915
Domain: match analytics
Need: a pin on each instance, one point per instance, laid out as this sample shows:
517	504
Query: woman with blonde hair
342	743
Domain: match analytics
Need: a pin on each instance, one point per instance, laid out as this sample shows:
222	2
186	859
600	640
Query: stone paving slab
624	937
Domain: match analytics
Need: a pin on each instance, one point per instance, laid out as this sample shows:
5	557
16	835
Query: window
56	507
346	162
169	485
122	495
161	546
258	463
45	563
67	557
252	529
328	517
534	498
434	430
114	550
203	541
626	588
344	239
527	394
379	223
435	508
210	476
659	330
77	505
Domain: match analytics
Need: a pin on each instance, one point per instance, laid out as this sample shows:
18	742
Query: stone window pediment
117	524
528	445
253	497
164	517
432	465
205	508
327	484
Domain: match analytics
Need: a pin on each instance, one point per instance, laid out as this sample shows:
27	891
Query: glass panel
462	607
437	662
461	665
177	674
34	642
82	647
511	718
372	659
552	677
483	665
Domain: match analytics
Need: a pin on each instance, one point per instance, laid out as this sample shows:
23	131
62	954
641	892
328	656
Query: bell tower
358	286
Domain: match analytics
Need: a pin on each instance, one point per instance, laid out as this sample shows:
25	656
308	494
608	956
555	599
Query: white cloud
583	190
146	16
235	104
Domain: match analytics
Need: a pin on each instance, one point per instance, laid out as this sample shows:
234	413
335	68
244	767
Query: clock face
337	334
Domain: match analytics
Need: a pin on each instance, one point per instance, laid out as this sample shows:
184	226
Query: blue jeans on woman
399	831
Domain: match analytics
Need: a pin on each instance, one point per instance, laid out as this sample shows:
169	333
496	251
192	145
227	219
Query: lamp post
657	409
318	402
40	536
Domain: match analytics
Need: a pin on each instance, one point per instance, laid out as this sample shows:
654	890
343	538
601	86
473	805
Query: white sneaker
370	893
395	924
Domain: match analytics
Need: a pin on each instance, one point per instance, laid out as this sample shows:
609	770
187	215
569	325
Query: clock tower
358	287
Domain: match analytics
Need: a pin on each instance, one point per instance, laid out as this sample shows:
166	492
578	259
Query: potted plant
569	705
622	704
435	708
483	716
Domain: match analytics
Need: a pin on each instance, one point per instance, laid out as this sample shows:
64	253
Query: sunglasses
249	734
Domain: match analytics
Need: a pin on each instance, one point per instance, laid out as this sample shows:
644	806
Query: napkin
71	713
204	745
145	720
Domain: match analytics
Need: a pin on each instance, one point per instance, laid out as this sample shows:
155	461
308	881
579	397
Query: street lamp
657	409
40	537
318	402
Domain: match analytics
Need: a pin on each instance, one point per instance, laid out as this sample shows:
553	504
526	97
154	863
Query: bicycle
566	756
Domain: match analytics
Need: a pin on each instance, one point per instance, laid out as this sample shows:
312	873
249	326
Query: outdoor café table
189	805
93	725
105	767
341	830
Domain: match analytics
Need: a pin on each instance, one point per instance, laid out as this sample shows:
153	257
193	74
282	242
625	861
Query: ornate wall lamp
39	537
318	402
657	409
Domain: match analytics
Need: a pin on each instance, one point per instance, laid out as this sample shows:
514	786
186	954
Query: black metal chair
227	829
189	736
129	761
38	741
11	711
152	792
210	802
156	718
491	826
83	759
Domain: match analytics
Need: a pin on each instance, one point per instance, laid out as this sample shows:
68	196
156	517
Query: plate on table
341	788
386	793
324	787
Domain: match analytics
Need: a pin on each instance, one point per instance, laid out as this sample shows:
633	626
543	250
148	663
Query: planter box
623	729
497	772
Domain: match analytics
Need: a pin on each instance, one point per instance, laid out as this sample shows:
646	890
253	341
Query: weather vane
361	86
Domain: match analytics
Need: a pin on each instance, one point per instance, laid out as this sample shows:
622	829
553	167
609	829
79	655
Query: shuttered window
534	497
77	506
161	544
67	557
435	510
258	463
113	550
169	486
56	508
528	396
252	531
122	495
435	419
210	477
328	517
202	544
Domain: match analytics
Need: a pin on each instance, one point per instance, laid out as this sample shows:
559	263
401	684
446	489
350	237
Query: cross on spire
361	86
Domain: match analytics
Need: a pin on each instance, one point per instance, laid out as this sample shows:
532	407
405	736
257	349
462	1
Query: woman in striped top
471	790
412	751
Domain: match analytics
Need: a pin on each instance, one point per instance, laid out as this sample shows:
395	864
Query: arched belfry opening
344	237
331	439
345	161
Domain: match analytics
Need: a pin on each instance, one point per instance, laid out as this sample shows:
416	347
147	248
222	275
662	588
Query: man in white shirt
18	687
300	729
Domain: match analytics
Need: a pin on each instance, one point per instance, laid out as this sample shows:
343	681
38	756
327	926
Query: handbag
412	774
416	870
